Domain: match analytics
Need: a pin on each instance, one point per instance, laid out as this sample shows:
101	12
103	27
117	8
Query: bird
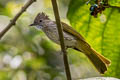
72	39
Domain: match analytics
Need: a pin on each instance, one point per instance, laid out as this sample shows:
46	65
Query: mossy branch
13	21
61	37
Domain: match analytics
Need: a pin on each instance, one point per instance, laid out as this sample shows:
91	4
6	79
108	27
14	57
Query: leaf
102	33
114	2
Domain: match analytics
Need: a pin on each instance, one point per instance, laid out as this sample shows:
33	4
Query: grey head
39	20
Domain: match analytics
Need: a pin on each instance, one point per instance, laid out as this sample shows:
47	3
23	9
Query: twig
61	37
13	21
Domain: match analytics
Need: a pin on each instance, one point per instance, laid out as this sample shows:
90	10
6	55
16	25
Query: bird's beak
33	24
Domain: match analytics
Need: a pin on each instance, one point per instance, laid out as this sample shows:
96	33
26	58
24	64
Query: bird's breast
52	34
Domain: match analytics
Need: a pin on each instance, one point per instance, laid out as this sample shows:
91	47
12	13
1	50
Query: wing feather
71	31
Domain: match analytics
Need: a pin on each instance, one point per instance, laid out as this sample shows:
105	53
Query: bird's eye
40	20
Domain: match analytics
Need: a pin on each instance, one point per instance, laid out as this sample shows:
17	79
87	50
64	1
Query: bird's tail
105	60
99	61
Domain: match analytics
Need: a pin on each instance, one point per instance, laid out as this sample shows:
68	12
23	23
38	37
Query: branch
61	37
13	21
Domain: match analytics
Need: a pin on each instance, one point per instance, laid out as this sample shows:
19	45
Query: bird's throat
38	27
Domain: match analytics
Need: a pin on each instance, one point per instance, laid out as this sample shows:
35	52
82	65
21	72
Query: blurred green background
27	54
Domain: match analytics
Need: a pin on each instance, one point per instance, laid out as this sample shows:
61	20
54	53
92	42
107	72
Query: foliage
115	2
102	32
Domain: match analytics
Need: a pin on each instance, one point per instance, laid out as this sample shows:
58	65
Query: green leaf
114	2
102	33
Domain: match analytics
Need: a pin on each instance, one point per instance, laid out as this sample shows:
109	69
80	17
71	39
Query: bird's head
39	20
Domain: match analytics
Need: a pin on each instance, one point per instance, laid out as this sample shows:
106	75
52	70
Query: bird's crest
41	16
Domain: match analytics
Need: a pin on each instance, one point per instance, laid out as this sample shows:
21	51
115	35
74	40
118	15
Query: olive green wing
71	31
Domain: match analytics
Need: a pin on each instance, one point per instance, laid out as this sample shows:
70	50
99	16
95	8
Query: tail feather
98	60
105	60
